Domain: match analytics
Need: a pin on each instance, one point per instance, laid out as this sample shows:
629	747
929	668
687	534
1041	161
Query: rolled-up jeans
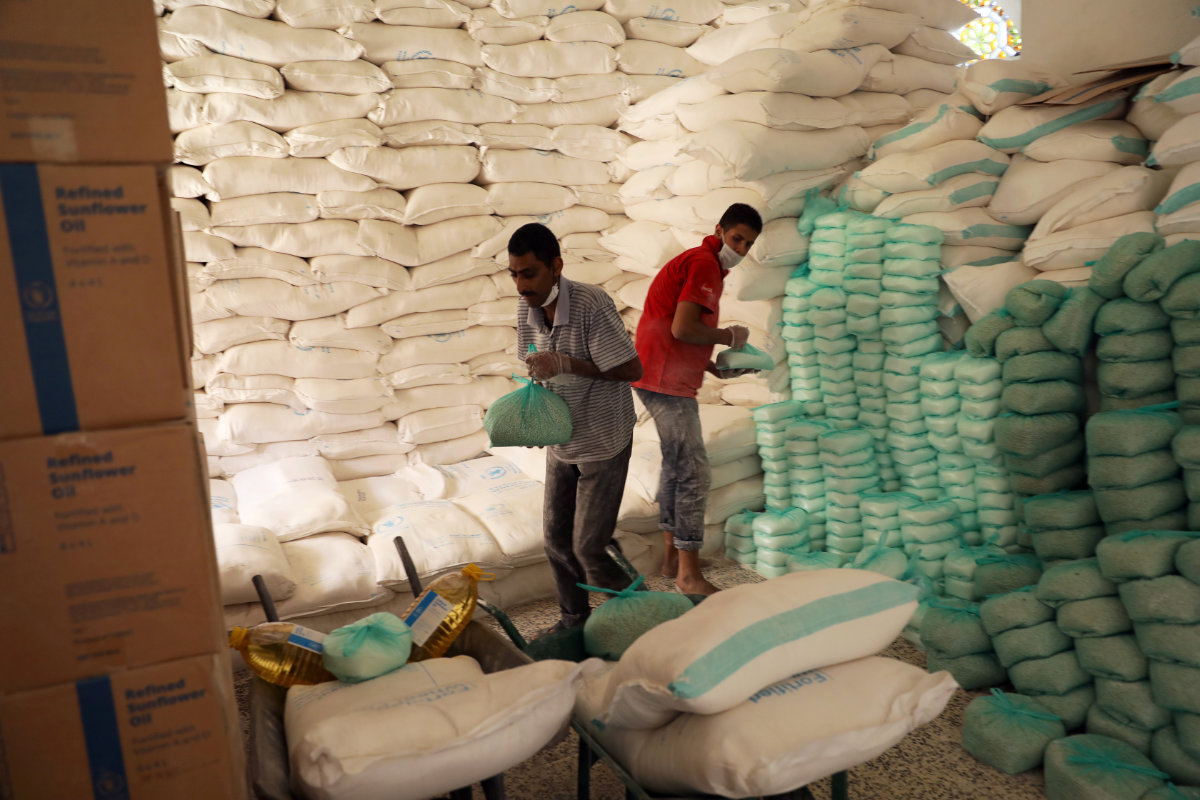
579	514
685	478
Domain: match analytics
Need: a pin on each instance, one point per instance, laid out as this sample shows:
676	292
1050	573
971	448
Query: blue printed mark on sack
792	684
404	55
671	73
554	12
662	13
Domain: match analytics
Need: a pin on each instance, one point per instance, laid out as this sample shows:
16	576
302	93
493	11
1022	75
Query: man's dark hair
536	238
741	214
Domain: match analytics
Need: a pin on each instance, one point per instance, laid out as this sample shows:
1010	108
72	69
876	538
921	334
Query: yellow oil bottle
282	653
438	614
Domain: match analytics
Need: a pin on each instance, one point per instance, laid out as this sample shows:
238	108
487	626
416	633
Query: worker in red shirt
675	338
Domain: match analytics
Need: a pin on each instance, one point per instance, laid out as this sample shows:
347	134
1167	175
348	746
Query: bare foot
670	565
697	585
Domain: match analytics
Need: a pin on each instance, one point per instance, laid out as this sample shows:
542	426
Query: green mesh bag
745	357
1039	466
1000	574
1182	300
1124	315
1009	731
1186	359
1143	346
1096	616
913	234
1163	641
1167	750
1044	397
1171	598
1170	791
1188	390
1021	341
953	631
1171	521
1135	379
1132	703
1129	433
1069	477
1187	560
1141	553
1045	366
368	648
1093	767
980	338
1028	435
1071	707
1186	447
1188	726
1126	472
816	205
1185	331
1016	609
1155	274
1118	657
1070	329
1036	641
1057	544
612	627
1065	510
974	671
1033	302
532	416
1101	723
1056	674
1110	270
1141	503
1077	580
1110	403
1176	686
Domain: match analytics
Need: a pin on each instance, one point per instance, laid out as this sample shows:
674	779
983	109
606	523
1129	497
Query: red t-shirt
670	366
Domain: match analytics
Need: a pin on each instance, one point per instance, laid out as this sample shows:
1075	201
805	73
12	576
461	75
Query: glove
735	373
547	365
740	334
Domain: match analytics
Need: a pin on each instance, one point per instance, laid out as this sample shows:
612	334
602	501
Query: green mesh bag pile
1009	731
612	627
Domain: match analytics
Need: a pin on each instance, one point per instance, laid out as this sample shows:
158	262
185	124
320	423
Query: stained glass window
993	35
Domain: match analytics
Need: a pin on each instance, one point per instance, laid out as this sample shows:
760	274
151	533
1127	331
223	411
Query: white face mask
550	298
728	257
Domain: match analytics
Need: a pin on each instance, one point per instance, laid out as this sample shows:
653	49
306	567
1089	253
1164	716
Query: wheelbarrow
268	756
568	645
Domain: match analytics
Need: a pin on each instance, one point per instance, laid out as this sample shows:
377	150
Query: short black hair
536	238
741	214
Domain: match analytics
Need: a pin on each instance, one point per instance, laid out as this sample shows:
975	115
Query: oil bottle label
427	616
307	638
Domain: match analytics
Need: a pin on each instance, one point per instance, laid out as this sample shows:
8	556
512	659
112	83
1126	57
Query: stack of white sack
717	700
789	104
347	186
737	477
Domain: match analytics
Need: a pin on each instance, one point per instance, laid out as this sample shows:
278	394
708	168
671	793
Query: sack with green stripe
1009	731
748	637
532	416
620	620
1013	128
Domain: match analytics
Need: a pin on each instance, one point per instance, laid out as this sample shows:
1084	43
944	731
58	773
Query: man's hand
739	335
547	365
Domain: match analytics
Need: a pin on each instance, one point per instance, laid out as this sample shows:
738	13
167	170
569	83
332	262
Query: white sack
1030	188
750	151
367	270
290	110
332	571
264	297
234	177
822	73
201	145
261	40
294	497
244	551
283	358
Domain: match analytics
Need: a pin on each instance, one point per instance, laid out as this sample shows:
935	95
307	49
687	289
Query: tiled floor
929	764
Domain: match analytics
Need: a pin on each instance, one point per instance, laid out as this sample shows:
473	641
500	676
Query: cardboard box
165	731
82	81
92	306
106	554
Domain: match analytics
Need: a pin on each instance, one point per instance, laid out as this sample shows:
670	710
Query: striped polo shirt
586	326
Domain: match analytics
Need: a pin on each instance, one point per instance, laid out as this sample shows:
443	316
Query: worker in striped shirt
585	356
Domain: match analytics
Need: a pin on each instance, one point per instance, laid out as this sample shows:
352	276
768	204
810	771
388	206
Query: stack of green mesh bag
770	432
797	335
806	476
1133	471
850	466
941	402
